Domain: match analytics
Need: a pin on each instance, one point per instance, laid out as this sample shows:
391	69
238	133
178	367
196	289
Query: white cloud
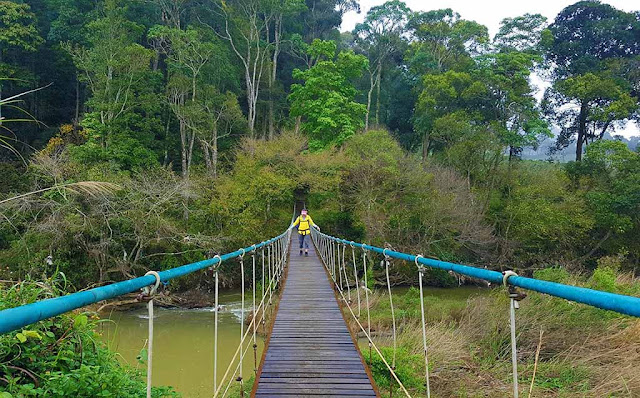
490	13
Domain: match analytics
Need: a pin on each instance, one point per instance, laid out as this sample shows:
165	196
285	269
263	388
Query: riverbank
564	349
190	299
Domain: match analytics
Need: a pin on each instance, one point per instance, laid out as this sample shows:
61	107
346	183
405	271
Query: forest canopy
191	126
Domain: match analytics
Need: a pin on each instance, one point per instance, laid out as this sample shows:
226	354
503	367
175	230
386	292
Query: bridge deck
311	352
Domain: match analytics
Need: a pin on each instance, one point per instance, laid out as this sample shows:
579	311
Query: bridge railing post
216	269
241	359
514	298
150	291
254	311
421	271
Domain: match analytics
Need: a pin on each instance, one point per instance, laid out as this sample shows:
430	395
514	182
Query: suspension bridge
301	304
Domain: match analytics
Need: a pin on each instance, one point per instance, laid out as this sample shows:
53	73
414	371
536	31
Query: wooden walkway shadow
310	351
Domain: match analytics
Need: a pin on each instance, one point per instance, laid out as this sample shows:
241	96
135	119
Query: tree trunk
214	152
251	110
205	150
425	146
369	94
277	32
183	142
192	140
604	129
156	60
76	119
165	161
271	117
582	130
298	123
378	80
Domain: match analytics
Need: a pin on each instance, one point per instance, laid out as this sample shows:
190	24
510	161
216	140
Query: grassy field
582	351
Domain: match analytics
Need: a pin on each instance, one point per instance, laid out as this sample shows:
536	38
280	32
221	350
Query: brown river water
183	343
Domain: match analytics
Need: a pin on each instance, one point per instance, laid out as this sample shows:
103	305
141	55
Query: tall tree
282	11
18	31
114	67
513	107
379	36
441	40
585	99
523	33
588	32
244	25
188	55
322	18
587	106
325	100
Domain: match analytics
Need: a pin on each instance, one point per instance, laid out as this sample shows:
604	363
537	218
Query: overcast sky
490	13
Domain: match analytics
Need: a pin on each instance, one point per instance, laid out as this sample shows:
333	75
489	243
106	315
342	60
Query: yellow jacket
304	225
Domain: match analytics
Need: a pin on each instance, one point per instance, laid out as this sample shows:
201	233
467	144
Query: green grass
470	347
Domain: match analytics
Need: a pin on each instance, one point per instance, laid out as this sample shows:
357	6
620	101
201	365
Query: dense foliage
62	356
146	134
180	105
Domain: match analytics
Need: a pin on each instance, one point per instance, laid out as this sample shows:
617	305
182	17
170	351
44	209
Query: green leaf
32	334
5	395
21	337
80	321
142	357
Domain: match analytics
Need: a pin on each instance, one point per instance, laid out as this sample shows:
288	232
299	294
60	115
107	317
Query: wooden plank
317	376
335	390
314	380
310	350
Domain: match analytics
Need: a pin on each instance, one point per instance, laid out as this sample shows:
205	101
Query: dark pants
303	242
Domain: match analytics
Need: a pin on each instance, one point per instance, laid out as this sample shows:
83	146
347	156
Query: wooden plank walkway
311	352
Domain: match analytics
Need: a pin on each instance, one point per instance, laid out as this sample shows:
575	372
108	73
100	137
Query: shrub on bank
62	356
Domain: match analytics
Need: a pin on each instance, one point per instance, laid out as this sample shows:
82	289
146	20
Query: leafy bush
62	356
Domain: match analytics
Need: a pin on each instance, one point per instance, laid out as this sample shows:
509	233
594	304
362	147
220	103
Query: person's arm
311	223
296	222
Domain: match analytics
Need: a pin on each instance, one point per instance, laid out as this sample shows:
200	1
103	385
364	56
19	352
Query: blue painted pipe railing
627	305
18	317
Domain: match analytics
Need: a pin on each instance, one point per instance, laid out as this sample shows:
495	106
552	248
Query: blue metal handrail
18	317
620	303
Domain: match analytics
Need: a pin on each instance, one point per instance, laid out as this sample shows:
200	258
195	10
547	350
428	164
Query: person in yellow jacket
304	224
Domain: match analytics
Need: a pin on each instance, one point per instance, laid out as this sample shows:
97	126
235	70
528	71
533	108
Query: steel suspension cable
263	302
270	273
339	266
241	350
366	295
393	319
513	306
421	270
355	275
367	332
372	344
344	269
255	314
215	326
239	379
264	290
